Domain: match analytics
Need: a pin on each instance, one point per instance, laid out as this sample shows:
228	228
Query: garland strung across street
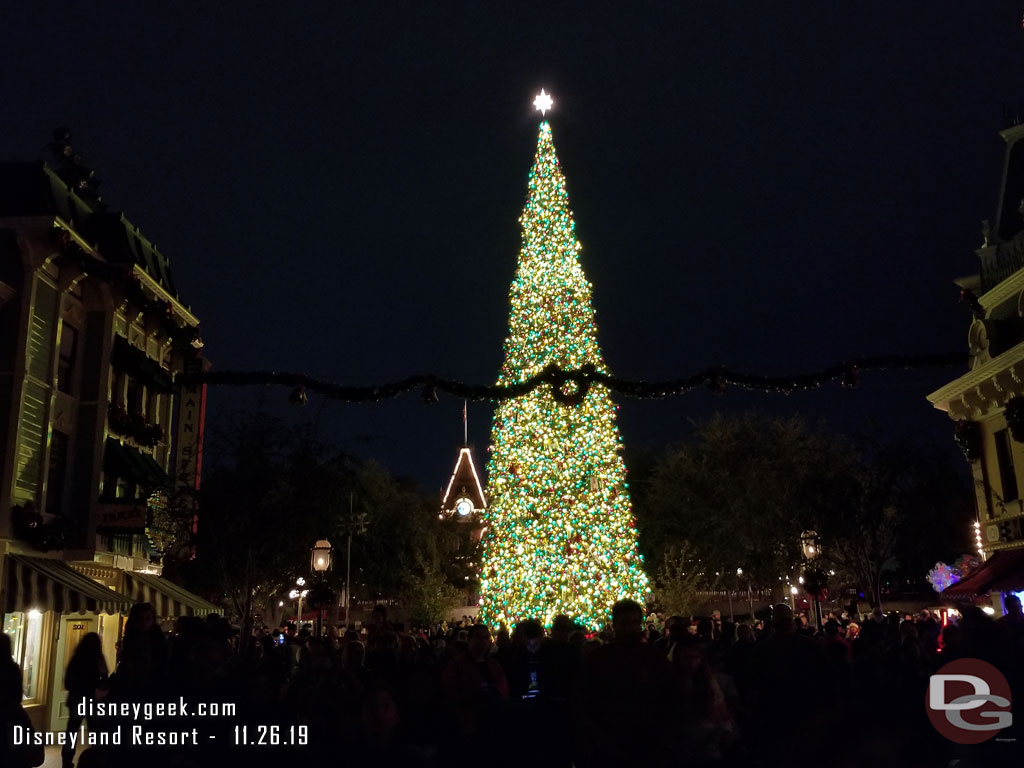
570	387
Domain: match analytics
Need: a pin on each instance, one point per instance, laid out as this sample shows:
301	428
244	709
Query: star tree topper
543	102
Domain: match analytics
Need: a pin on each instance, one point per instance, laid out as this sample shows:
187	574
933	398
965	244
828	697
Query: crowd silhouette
644	691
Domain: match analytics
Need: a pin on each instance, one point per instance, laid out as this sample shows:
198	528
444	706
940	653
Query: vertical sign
188	445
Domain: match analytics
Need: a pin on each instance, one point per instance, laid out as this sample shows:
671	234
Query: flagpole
465	424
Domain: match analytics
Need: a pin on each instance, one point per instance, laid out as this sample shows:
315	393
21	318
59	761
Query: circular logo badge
968	701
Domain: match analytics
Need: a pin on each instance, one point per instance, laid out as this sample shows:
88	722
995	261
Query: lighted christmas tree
560	535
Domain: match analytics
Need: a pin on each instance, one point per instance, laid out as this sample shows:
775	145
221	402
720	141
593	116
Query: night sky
772	186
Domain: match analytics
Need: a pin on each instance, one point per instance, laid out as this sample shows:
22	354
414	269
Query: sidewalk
53	757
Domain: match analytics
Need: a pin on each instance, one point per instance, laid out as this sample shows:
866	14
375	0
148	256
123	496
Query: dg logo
968	701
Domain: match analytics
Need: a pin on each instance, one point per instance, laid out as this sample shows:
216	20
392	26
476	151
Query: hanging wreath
1015	417
968	436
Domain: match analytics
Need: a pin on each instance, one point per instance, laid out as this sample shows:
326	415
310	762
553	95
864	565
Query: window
57	475
124	489
26	633
1007	472
136	393
66	362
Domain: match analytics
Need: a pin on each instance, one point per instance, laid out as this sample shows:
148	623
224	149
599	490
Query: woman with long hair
86	672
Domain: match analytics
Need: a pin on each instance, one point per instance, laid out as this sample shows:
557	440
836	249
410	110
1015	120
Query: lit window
26	633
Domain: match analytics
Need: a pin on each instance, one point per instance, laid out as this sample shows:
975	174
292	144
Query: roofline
143	276
476	478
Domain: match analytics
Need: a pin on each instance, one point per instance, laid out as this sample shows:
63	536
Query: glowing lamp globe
320	560
809	542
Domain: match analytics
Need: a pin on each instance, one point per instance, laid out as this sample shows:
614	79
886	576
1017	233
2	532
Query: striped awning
168	599
43	584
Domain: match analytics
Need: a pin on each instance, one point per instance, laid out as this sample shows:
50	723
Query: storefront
48	608
1002	574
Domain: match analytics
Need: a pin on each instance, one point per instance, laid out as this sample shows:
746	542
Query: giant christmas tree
559	532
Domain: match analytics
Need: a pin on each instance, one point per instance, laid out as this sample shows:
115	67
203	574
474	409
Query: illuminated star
543	102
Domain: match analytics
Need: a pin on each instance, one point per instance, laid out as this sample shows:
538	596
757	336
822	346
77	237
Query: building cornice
179	309
987	387
143	276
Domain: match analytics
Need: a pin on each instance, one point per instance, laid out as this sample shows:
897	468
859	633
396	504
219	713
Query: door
72	630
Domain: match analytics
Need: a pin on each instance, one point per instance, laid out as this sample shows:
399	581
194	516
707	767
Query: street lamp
809	542
320	560
320	563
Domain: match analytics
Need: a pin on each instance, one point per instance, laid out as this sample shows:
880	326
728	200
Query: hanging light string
571	386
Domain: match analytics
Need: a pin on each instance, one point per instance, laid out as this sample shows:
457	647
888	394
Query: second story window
1007	471
66	361
136	397
58	472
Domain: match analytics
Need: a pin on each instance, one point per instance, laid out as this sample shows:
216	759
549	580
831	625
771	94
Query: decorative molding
976	389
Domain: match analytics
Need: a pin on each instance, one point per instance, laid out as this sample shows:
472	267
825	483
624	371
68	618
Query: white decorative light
543	102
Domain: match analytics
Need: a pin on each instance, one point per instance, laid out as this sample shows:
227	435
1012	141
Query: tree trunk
873	593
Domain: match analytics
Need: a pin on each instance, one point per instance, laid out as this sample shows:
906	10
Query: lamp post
320	563
811	548
750	596
354	524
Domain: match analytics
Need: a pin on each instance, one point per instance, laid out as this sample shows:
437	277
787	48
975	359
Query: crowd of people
645	691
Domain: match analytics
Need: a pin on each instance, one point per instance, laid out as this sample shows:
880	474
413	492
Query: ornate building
987	402
95	438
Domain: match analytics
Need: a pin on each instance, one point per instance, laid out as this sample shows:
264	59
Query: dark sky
773	186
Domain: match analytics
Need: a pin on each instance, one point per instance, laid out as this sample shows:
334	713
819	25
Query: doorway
72	630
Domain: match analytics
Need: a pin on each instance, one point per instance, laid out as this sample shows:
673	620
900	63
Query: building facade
97	444
987	402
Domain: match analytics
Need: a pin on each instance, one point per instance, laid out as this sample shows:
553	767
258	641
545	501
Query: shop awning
138	364
168	599
1004	571
43	584
141	468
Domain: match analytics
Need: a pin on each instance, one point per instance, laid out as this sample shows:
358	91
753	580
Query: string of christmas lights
571	386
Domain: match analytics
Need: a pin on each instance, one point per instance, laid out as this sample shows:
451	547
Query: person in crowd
142	668
10	674
623	690
705	726
774	668
12	714
86	675
474	687
521	660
